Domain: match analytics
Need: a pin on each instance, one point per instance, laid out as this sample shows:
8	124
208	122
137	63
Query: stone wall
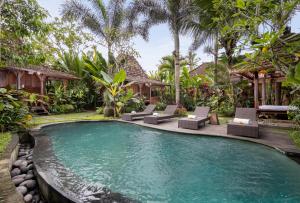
8	193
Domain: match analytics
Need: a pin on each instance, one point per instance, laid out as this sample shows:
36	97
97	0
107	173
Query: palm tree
166	69
105	21
164	11
192	59
203	29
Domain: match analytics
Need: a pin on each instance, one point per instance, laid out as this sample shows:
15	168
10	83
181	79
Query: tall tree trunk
216	54
177	67
109	59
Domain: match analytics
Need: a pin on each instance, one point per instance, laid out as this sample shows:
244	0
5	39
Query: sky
160	41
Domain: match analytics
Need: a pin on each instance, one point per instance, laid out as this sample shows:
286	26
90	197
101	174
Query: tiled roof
200	70
43	70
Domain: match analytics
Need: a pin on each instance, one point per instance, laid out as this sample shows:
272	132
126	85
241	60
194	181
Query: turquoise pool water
157	166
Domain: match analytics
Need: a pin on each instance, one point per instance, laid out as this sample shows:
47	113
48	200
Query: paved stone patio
269	135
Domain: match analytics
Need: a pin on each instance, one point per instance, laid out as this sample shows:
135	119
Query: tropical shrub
115	89
160	106
71	100
99	110
187	100
294	112
13	111
181	112
134	103
226	108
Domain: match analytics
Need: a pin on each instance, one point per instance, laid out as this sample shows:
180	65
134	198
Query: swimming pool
158	166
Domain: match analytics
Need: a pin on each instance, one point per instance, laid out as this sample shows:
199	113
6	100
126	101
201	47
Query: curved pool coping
48	188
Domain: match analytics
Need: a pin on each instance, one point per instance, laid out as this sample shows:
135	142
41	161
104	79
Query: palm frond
81	12
116	13
99	5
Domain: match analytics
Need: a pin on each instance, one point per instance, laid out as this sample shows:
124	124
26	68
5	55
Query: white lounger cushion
241	120
155	114
133	111
191	116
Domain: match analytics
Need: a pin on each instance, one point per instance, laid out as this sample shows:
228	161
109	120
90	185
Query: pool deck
269	136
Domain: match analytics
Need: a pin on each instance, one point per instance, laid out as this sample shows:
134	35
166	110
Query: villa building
143	85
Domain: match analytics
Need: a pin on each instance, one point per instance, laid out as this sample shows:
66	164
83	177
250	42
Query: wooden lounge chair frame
168	113
201	114
139	115
245	130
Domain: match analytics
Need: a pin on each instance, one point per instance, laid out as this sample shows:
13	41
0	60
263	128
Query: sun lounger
168	113
201	116
240	128
139	115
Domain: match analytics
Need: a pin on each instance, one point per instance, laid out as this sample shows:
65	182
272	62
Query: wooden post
263	90
270	99
256	102
19	75
140	88
65	85
42	80
277	93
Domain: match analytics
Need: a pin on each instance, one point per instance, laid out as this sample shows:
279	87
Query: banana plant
115	87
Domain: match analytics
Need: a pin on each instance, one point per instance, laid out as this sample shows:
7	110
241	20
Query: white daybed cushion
191	116
241	120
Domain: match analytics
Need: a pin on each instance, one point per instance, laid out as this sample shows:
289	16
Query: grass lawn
4	140
88	116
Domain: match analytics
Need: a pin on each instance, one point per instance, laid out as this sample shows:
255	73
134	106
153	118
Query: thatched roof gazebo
143	85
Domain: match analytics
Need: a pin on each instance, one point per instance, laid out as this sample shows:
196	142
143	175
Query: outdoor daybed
131	116
200	116
244	124
168	113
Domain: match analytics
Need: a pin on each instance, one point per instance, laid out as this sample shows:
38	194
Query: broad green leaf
240	4
3	90
120	77
100	81
1	106
297	72
106	77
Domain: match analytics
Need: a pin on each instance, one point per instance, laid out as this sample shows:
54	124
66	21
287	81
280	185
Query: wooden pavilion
260	78
32	79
